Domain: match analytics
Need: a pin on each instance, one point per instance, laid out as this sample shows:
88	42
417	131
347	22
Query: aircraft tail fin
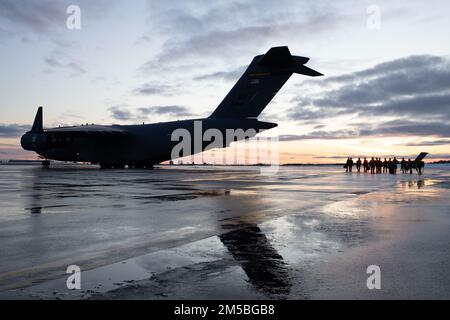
263	78
37	125
421	156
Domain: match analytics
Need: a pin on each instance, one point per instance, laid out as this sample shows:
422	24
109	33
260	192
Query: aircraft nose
26	142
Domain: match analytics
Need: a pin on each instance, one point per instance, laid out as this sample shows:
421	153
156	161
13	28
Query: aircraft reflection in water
250	247
34	203
238	228
263	265
142	146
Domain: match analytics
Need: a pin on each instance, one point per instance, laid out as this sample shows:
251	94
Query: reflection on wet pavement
259	231
260	261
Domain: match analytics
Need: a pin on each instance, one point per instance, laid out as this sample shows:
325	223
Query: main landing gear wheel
45	163
140	166
112	166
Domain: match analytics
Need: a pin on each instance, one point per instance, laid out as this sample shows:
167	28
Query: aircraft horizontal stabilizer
278	56
308	71
281	57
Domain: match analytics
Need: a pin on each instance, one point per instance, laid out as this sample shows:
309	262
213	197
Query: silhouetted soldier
409	166
394	165
385	166
420	166
350	164
358	165
379	165
390	166
372	165
403	165
366	165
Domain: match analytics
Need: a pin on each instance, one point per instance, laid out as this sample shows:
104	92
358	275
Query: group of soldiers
376	165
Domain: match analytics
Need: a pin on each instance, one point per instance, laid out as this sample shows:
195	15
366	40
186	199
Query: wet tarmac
222	233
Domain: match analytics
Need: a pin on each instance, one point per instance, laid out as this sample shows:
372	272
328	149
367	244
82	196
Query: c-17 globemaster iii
142	146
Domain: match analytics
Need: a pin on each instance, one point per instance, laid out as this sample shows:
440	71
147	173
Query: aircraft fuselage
132	145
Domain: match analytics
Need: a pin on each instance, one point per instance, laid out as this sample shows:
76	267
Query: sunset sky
386	89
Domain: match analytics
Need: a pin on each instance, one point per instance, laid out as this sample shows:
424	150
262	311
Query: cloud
166	110
73	66
8	145
327	135
200	43
385	98
226	44
415	86
403	65
428	143
119	113
38	16
397	128
207	30
46	16
408	128
151	88
311	115
233	75
123	113
438	156
13	130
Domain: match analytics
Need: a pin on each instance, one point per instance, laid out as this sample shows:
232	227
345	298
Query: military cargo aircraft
142	146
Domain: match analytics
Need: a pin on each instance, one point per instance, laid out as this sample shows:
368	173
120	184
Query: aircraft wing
89	129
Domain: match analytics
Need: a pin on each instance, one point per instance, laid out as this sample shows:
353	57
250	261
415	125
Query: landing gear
45	163
112	166
105	166
140	166
122	165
